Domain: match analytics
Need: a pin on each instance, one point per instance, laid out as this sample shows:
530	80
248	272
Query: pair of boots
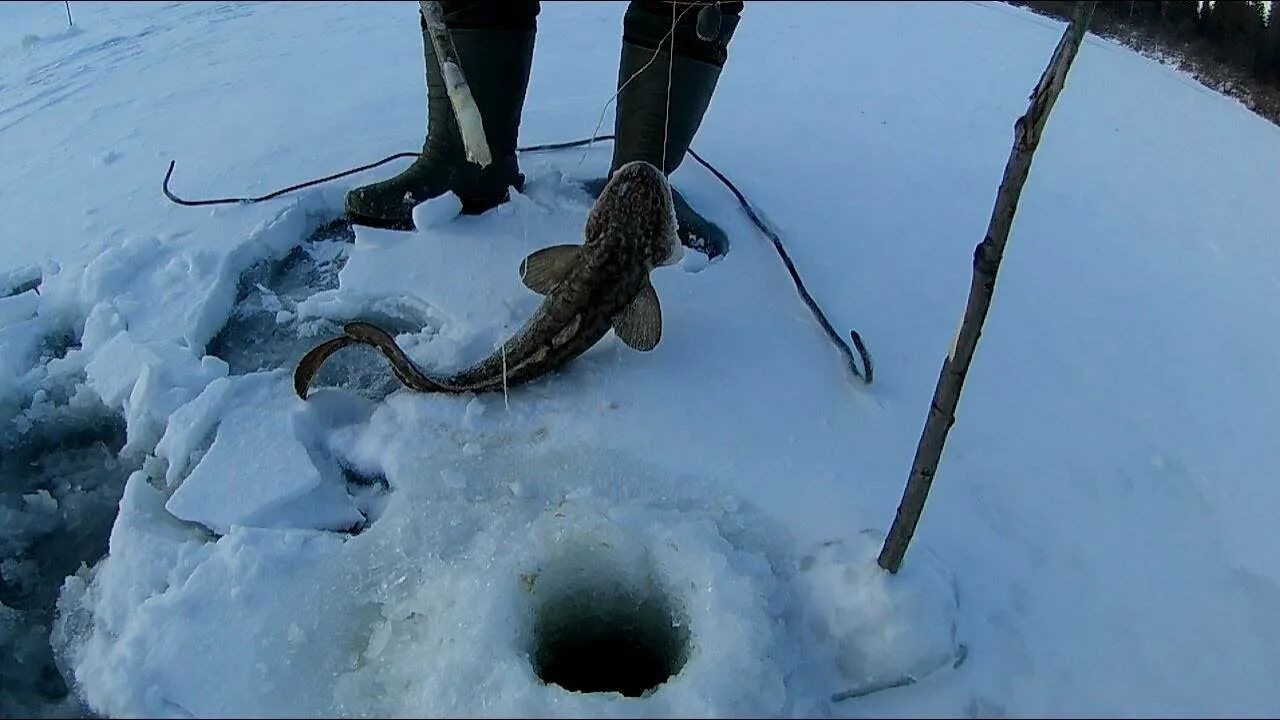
494	41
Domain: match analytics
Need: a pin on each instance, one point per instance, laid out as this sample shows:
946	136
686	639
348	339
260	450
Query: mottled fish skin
630	231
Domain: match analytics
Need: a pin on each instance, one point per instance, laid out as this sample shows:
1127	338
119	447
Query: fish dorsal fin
639	325
545	268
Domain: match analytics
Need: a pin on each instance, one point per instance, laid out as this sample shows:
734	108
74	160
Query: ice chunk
149	380
436	211
259	473
20	279
17	308
193	424
40	501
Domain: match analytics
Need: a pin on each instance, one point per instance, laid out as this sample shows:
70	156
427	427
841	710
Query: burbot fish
589	289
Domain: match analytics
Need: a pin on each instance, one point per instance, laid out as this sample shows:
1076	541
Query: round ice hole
608	640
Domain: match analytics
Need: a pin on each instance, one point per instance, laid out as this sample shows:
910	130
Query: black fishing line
865	374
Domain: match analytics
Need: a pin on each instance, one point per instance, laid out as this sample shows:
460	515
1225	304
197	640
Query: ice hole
262	332
597	631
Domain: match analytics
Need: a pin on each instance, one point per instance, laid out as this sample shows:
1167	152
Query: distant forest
1232	46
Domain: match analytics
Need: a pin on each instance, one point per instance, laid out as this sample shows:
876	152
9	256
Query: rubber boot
496	62
648	118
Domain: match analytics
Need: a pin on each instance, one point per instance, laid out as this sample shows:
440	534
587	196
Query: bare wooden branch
465	110
986	263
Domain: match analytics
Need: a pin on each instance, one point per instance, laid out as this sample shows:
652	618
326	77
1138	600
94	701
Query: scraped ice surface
483	588
1099	540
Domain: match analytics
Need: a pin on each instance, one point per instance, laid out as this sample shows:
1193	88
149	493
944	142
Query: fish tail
367	334
310	363
404	368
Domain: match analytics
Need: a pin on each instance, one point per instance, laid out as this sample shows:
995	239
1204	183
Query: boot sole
470	206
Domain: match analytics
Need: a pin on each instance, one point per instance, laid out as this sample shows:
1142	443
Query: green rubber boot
497	64
644	124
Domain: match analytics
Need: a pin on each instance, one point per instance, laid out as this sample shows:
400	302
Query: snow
436	212
1099	540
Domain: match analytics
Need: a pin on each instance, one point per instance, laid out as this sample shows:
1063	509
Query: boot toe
379	207
695	231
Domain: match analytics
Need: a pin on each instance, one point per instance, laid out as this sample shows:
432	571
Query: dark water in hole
60	485
263	332
608	642
61	479
254	337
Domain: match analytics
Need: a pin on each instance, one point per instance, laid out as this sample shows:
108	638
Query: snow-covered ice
1099	540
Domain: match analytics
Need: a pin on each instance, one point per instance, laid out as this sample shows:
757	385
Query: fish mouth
675	249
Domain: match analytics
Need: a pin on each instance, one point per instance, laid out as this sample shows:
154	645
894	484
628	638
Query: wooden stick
986	263
465	111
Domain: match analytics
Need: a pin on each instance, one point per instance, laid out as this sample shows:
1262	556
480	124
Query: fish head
636	208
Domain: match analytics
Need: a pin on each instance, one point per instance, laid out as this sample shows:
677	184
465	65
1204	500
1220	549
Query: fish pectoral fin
639	325
545	268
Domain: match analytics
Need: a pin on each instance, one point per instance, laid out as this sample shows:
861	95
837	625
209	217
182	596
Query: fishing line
652	59
855	352
671	64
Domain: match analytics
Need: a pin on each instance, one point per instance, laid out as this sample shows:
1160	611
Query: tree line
1230	45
